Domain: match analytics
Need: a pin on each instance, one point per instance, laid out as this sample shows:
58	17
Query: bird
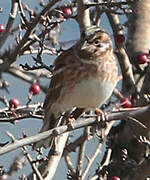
84	77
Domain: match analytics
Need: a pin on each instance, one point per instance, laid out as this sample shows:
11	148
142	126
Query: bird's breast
89	93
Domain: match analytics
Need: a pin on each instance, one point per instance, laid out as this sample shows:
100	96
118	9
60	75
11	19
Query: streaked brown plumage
84	77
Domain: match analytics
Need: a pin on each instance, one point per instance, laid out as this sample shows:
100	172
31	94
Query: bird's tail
49	123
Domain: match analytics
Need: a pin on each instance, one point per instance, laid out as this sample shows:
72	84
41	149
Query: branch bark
12	16
83	14
54	160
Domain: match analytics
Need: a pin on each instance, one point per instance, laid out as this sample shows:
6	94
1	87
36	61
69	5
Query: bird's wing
57	80
53	94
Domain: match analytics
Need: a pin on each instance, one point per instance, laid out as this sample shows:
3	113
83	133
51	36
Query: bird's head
95	42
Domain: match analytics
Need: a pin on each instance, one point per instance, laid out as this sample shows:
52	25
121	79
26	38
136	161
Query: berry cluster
115	178
120	39
142	58
33	90
126	103
67	12
2	28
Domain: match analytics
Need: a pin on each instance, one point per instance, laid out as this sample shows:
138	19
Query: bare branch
69	163
81	154
35	169
12	16
54	160
72	146
22	112
75	125
126	67
83	14
108	4
14	54
98	150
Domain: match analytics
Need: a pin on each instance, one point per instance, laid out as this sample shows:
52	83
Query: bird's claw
70	123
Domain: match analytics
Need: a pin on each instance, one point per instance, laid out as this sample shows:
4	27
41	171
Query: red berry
126	103
35	89
14	103
67	11
120	38
142	58
2	28
115	178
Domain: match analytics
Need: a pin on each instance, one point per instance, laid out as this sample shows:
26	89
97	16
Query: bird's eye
96	42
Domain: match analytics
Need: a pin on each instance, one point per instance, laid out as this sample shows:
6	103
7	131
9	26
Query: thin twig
35	169
81	153
98	150
30	111
69	163
4	66
12	16
107	159
22	12
109	4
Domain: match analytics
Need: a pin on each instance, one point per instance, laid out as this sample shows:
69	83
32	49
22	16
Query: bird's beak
104	46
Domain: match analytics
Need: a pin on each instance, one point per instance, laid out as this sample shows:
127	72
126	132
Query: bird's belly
89	93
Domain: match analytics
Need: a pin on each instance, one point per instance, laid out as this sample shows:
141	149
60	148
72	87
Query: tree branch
5	65
98	150
12	16
54	160
141	111
83	16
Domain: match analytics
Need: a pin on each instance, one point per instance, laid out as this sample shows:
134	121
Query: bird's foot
69	122
101	117
102	123
99	112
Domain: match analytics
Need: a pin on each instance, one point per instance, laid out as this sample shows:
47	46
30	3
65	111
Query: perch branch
75	125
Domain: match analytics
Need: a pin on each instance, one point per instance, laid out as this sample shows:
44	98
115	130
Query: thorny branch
33	165
22	112
4	66
29	158
83	122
